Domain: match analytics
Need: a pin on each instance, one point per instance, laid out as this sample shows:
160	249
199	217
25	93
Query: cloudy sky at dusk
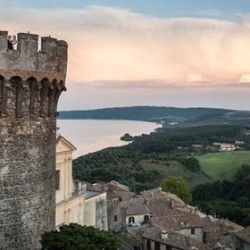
179	53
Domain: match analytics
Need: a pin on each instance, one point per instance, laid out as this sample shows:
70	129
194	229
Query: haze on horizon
125	53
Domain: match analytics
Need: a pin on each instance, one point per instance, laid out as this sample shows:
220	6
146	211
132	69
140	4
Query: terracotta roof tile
177	222
244	234
174	239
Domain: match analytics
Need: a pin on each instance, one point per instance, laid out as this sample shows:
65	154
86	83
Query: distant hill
166	115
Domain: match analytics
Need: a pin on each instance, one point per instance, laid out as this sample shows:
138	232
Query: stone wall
30	85
49	62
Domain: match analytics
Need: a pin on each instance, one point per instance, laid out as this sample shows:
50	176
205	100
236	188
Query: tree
75	236
178	186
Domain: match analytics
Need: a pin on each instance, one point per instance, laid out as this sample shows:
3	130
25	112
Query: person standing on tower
10	44
14	41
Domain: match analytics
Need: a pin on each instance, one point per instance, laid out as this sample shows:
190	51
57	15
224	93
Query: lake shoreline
91	135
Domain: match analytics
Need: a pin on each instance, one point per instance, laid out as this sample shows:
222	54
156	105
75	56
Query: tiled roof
137	232
117	185
220	225
216	230
244	234
157	193
174	239
177	222
158	206
135	207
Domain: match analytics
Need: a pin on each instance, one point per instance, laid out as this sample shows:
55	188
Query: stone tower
31	82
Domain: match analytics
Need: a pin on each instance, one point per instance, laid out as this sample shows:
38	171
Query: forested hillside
227	199
151	157
165	115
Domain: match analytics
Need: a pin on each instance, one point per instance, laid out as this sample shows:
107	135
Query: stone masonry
31	82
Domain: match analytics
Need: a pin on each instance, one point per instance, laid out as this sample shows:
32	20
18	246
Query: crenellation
3	40
27	44
27	61
48	45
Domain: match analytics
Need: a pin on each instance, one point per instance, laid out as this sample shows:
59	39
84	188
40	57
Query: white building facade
74	204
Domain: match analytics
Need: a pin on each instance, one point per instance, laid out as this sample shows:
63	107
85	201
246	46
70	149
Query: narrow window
204	237
157	245
131	220
192	230
57	179
115	218
148	244
146	218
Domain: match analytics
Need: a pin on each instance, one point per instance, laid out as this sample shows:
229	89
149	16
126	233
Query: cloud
245	78
113	44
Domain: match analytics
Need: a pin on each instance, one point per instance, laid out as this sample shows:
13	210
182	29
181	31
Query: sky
182	53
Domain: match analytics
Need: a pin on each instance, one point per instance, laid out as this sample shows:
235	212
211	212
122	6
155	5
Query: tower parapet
31	83
26	61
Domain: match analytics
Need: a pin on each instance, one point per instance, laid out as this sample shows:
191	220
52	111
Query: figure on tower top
10	44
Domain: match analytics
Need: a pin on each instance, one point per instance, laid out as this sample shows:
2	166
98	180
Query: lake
92	135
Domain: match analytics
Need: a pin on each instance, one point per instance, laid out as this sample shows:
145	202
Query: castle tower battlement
26	61
31	83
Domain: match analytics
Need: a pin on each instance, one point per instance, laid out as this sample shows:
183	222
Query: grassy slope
223	165
174	168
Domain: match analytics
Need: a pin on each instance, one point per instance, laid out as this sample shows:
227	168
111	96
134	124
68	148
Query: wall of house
245	246
138	219
69	204
152	245
101	211
90	212
70	211
95	212
198	234
64	165
114	210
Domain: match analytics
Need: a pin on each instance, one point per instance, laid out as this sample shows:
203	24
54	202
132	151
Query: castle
31	82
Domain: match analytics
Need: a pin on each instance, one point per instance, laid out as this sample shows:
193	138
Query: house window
146	218
148	244
57	179
157	246
168	248
204	239
192	230
131	220
115	218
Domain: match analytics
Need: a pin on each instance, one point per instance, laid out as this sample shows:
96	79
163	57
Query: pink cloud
109	44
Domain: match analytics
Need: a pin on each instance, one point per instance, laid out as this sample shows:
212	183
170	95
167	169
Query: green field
175	168
223	165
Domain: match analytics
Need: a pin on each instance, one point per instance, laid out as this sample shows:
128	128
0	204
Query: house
172	224
217	233
127	213
186	224
69	197
225	146
95	209
242	239
137	210
155	238
74	202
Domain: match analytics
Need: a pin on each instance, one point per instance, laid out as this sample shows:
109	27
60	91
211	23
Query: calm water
93	135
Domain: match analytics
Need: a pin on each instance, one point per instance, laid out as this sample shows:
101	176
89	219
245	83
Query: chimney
164	235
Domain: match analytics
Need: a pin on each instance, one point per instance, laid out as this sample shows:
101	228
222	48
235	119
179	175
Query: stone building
242	239
157	239
76	202
69	197
31	82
